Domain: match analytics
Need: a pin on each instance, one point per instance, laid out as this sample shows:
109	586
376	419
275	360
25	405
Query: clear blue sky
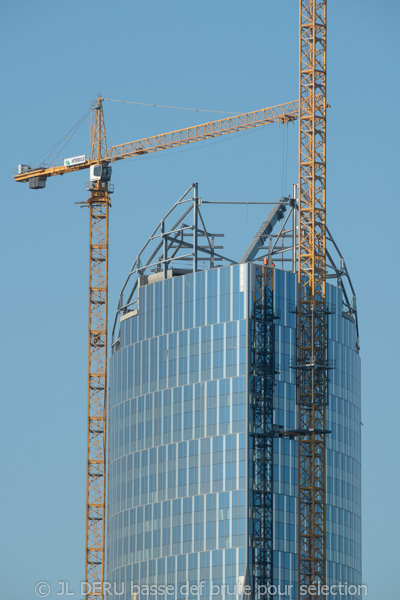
233	56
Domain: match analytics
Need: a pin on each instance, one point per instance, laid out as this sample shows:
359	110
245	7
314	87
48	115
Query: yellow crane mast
99	205
312	345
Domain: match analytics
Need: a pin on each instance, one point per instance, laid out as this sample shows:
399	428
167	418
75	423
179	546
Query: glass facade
178	484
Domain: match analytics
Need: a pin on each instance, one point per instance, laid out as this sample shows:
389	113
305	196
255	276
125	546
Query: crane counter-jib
31	173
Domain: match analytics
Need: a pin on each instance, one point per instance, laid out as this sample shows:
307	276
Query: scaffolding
262	381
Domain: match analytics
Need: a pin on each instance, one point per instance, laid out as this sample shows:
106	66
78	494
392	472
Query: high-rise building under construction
203	455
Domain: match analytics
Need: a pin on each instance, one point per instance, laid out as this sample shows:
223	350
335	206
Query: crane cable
224	112
69	133
285	152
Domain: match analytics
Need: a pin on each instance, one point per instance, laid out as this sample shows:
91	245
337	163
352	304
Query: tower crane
99	204
312	343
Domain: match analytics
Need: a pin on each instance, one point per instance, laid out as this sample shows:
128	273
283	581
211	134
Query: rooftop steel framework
182	243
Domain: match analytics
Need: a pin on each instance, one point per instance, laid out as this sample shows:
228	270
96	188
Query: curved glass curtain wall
178	444
177	481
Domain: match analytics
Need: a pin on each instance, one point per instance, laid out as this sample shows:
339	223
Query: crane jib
282	113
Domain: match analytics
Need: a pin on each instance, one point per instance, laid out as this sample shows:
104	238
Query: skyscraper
202	486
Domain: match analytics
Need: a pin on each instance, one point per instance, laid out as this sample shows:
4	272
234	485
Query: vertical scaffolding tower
263	372
312	319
